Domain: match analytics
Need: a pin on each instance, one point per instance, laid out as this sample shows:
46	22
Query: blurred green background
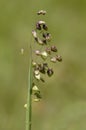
63	106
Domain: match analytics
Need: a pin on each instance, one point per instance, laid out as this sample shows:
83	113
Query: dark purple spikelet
50	72
54	48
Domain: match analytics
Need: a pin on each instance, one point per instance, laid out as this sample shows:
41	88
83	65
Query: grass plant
39	65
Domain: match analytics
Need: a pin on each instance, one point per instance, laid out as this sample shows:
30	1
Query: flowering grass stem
37	69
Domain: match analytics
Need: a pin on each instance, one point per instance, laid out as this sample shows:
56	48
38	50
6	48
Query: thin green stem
29	100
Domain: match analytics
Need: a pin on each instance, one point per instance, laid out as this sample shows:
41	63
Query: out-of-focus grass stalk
29	100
